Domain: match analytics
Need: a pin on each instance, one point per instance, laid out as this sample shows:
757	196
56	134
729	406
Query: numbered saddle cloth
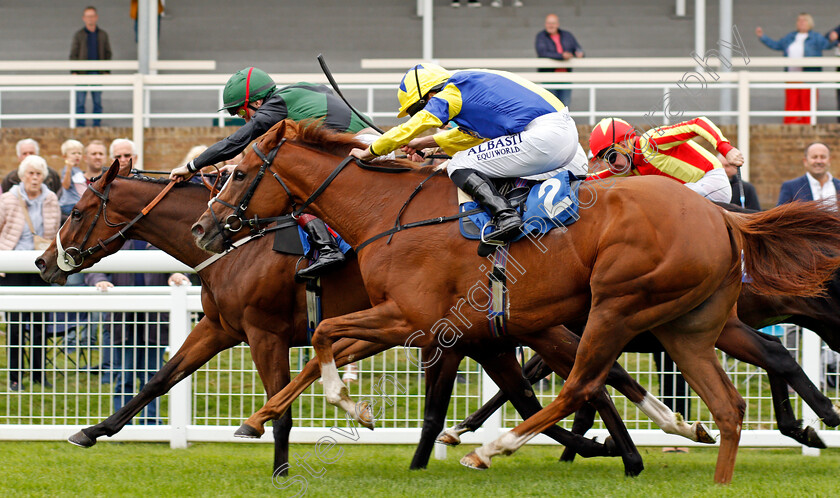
550	204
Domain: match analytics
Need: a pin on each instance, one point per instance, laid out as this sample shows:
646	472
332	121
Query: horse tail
792	249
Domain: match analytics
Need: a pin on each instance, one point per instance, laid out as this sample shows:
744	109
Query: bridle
73	257
235	221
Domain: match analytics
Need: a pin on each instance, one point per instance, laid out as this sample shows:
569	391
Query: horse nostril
41	264
197	230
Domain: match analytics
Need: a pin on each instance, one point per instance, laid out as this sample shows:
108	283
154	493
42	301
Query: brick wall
776	150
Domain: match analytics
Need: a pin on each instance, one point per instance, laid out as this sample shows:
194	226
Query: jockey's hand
362	154
181	173
735	157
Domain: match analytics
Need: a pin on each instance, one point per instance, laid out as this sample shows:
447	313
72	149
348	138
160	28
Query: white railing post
812	94
492	428
137	109
592	106
744	121
811	349
180	397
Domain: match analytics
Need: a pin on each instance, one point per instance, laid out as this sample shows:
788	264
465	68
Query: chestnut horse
648	255
269	314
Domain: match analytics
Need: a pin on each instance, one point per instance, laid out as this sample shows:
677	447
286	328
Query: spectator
498	3
90	43
24	148
743	192
470	3
94	159
28	212
123	150
73	181
804	42
139	338
817	183
133	13
555	43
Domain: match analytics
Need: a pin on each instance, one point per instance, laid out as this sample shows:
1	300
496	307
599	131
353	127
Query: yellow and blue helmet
417	82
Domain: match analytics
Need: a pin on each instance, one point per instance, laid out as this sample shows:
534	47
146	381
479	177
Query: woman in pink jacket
18	233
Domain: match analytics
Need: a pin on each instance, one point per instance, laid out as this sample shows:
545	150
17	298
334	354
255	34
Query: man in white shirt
817	182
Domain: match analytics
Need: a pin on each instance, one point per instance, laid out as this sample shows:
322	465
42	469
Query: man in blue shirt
558	44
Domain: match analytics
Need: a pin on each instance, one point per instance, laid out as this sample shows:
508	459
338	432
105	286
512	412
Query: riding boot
505	217
328	252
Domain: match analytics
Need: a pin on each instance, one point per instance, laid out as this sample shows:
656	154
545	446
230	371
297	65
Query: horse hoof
472	461
703	435
81	439
364	415
448	438
633	465
246	431
812	438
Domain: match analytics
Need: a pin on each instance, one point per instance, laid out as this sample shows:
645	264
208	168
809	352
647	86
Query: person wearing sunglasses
252	95
507	127
666	151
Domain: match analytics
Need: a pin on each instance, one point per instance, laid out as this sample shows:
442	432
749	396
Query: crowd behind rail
37	198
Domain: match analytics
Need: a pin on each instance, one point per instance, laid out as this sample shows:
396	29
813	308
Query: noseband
73	257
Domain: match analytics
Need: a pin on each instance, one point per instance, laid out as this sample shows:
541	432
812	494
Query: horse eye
238	176
76	214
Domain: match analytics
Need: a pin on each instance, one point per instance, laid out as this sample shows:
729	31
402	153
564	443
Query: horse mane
312	134
162	181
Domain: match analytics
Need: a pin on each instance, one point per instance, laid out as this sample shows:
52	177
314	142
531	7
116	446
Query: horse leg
586	379
205	341
347	351
562	345
584	420
700	366
270	353
747	344
534	370
382	323
440	377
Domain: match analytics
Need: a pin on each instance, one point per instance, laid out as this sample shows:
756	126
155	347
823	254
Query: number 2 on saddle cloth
552	203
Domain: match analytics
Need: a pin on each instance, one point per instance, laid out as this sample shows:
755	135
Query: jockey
507	127
667	151
252	95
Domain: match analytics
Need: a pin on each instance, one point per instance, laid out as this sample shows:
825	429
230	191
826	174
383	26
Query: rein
73	257
269	159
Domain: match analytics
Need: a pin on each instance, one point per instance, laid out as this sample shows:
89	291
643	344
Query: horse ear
290	129
112	172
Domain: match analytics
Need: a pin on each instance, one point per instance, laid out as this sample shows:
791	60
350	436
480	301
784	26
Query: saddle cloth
549	204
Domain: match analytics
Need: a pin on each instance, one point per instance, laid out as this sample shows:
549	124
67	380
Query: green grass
216	469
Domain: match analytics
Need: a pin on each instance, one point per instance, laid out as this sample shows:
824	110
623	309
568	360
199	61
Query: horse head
89	232
245	198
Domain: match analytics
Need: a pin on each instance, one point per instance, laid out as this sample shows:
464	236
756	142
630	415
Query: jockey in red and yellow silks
666	151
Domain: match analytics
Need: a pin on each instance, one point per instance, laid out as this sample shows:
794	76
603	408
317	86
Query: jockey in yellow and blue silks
508	127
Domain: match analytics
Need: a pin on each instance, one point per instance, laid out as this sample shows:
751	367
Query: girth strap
499	305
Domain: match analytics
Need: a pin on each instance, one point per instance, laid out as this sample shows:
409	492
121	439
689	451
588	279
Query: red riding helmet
608	132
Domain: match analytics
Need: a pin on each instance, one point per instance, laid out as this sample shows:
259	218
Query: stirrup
490	242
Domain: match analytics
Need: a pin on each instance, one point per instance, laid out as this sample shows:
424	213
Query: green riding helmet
248	84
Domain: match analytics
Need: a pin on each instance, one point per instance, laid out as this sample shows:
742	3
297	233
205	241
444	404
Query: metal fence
217	398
